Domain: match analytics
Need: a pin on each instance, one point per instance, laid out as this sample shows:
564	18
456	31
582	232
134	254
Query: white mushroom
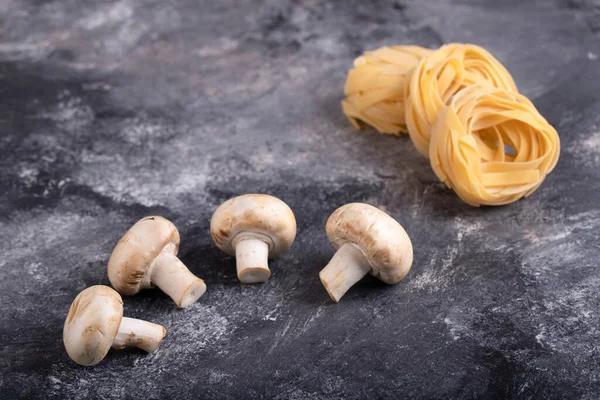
366	240
254	228
95	324
146	256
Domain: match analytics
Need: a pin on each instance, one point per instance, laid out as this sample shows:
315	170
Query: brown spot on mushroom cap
137	249
92	324
254	213
382	240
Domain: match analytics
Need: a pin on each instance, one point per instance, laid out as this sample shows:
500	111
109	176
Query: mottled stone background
114	110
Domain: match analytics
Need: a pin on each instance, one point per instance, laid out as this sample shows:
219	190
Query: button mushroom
366	240
146	256
95	324
254	228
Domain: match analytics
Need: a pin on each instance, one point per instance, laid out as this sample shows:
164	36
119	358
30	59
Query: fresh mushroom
254	228
366	240
95	324
146	256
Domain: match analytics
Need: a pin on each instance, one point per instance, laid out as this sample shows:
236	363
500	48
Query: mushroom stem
173	278
252	256
347	267
137	333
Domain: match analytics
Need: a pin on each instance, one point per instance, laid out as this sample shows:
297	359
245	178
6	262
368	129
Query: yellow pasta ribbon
491	146
375	87
440	76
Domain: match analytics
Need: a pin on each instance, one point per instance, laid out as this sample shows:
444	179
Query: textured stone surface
113	110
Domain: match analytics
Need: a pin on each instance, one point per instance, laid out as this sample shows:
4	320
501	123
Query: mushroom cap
259	215
136	251
92	324
381	239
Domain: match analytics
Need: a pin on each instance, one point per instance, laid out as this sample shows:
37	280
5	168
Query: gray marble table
114	110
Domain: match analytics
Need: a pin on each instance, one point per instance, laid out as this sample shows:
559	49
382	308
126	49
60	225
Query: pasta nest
491	146
440	76
375	87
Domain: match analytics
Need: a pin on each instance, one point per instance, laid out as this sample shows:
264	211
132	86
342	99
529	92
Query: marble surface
114	110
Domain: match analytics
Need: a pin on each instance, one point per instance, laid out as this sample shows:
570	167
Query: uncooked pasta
462	109
440	76
375	87
491	146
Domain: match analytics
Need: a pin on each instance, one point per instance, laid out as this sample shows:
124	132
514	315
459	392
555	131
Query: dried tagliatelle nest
375	87
491	146
440	76
462	109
